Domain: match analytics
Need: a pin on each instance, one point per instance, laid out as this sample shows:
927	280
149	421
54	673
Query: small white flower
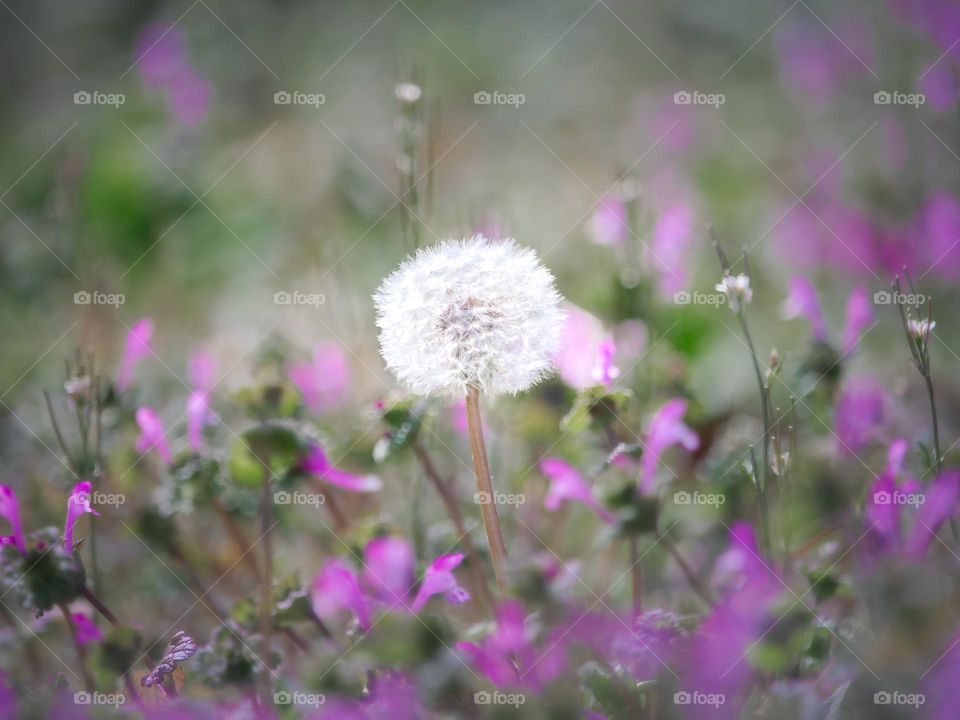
407	92
736	288
921	328
469	313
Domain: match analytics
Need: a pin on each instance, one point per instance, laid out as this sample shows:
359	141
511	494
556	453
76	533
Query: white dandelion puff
469	314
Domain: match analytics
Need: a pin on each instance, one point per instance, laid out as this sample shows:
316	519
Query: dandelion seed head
469	313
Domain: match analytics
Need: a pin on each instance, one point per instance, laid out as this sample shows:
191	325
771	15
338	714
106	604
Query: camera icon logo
882	697
882	97
82	698
282	497
682	97
282	697
881	497
81	297
282	97
681	497
882	297
282	298
681	697
482	697
82	97
681	298
482	498
482	98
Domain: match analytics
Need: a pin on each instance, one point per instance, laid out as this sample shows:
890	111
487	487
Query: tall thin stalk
488	509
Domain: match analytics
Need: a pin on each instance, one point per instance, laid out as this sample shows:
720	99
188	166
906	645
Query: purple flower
162	58
323	382
940	685
152	434
136	348
859	315
802	302
389	565
937	229
87	632
509	656
10	511
666	429
881	510
605	371
202	377
814	63
859	412
671	238
940	504
77	504
608	225
336	588
201	370
439	578
316	462
580	340
567	484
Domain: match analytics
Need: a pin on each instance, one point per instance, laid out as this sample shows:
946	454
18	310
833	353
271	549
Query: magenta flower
666	429
605	372
513	641
87	632
316	463
858	414
336	588
881	509
323	382
802	302
77	504
940	686
439	578
670	241
859	315
202	370
162	58
388	570
136	348
152	434
936	229
567	484
940	504
580	340
10	511
202	375
608	225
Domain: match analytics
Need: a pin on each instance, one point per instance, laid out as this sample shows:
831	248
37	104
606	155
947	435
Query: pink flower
940	504
802	302
316	462
937	229
667	254
606	371
336	588
439	578
324	381
152	434
389	565
859	315
608	225
161	55
202	370
10	511
202	377
858	414
136	348
77	504
666	429
580	341
87	632
566	484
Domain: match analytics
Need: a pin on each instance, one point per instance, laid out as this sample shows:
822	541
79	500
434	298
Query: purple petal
78	504
671	239
136	348
336	588
939	505
666	429
605	371
202	370
580	338
87	632
152	434
858	414
802	302
389	565
198	415
10	510
566	483
439	578
316	462
859	315
608	226
324	381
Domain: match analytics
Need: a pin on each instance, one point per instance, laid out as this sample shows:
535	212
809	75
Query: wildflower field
437	360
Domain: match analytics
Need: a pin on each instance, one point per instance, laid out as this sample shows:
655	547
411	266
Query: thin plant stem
636	576
240	540
81	650
491	520
56	431
99	606
477	578
691	577
936	426
266	592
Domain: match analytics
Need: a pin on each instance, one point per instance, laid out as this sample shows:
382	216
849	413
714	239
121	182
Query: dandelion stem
456	517
488	509
81	650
